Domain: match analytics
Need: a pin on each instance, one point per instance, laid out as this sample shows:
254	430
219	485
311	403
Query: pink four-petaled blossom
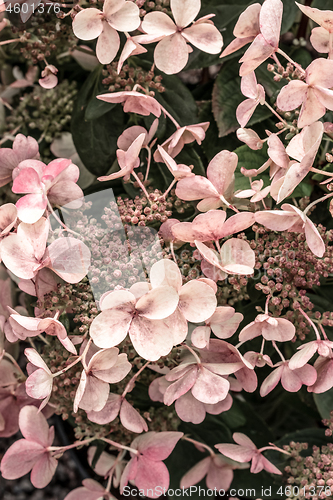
31	453
117	404
55	182
277	329
314	95
306	351
212	225
223	323
234	257
128	160
292	219
171	53
23	148
117	15
105	367
145	319
291	380
244	451
321	38
134	102
183	135
213	189
146	467
255	94
25	253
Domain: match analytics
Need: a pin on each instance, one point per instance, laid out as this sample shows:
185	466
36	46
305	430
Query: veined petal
165	272
205	37
270	19
185	11
110	327
125	19
151	338
158	23
248	22
256	54
171	54
292	95
88	24
196	188
312	109
43	471
197	301
322	17
31	207
221	169
159	303
107	44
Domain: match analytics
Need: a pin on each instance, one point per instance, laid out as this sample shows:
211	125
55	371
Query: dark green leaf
324	403
96	140
96	108
248	159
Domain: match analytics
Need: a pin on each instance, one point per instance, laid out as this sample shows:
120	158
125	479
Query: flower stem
133	379
291	61
317	201
120	446
197	443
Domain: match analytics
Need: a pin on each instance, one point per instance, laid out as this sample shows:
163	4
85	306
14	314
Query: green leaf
324	403
96	108
227	96
95	139
177	100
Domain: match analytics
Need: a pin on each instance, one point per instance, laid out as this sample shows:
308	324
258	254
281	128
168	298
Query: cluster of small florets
310	476
154	5
46	37
44	113
129	77
287	268
139	212
288	73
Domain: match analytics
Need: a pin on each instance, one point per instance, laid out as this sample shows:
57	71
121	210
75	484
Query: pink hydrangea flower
40	381
250	138
146	467
256	95
183	135
223	323
321	38
213	190
171	53
314	95
105	367
278	329
55	182
244	451
24	253
246	29
117	15
24	148
292	219
123	313
324	380
306	351
31	453
116	405
134	102
291	380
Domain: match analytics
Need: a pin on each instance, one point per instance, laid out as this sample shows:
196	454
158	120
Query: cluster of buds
153	5
129	77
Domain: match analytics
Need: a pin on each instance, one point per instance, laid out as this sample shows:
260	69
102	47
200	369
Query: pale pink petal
324	382
43	471
108	413
185	11
271	381
95	394
324	96
151	338
180	387
245	110
129	135
69	259
190	409
208	254
209	387
221	169
88	24
196	188
237	223
320	40
277	151
256	54
322	17
110	327
290	380
36	234
125	19
117	298
33	425
158	23
66	194
312	109
118	372
239	453
107	45
197	301
205	37
157	446
19	257
151	475
39	384
31	207
224	322
20	458
313	239
159	303
165	272
301	357
277	220
131	418
200	336
270	21
292	95
248	22
235	45
171	54
250	137
237	256
178	326
219	407
196	474
130	49
307	374
283	331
